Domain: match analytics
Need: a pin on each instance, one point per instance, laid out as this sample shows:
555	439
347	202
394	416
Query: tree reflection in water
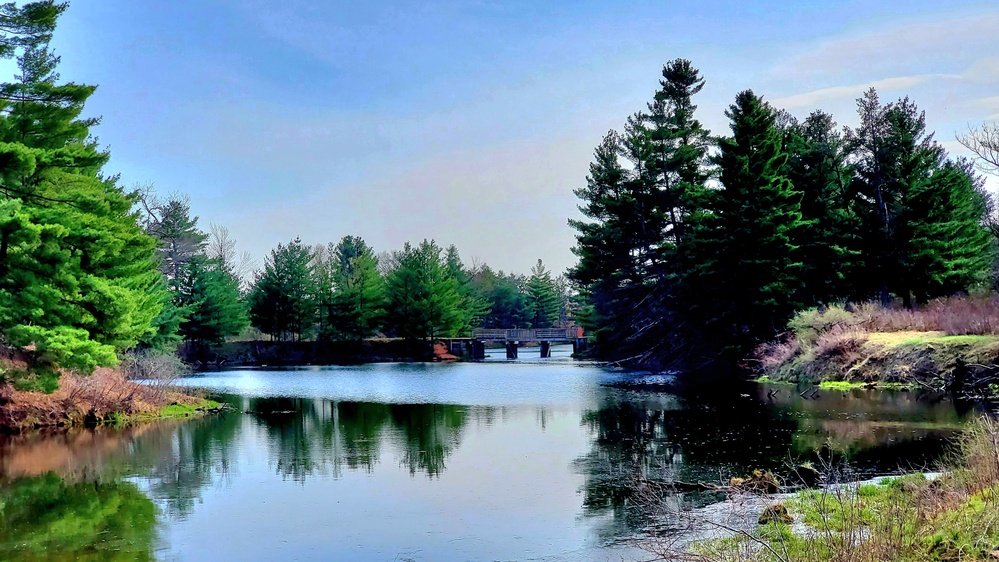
712	437
310	437
47	518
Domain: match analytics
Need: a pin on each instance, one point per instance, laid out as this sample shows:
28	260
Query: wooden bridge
513	338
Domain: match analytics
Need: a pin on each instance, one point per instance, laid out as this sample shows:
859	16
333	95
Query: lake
534	459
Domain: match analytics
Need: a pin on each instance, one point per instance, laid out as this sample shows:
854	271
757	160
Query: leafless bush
157	370
953	315
840	341
772	356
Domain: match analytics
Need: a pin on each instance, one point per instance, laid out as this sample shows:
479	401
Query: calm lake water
525	460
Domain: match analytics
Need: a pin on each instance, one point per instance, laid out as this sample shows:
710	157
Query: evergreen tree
281	300
211	294
542	297
77	274
895	158
951	249
423	299
180	240
633	247
473	308
507	304
358	300
749	273
679	149
817	167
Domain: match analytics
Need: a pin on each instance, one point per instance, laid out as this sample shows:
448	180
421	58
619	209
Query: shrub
772	356
840	341
807	325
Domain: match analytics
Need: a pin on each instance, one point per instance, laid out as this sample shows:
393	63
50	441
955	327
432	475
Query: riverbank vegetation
951	517
950	344
695	247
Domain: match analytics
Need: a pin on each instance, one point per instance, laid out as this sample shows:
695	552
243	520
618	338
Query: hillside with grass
950	344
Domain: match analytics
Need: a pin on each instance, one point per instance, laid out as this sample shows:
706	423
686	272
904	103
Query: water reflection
711	437
417	475
49	518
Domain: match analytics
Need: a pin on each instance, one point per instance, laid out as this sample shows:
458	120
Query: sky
472	122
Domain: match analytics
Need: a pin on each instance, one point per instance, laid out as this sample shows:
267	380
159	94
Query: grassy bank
947	345
952	517
104	397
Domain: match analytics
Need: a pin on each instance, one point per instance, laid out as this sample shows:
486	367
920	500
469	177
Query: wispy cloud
816	97
908	45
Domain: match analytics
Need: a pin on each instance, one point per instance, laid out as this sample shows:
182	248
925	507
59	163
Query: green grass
910	338
171	411
851	385
840	385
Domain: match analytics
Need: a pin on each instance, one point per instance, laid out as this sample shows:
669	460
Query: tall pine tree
78	278
749	268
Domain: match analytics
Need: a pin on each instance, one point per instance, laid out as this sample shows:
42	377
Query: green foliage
356	303
47	518
424	300
950	249
542	298
828	240
634	244
211	295
77	275
506	298
282	300
749	264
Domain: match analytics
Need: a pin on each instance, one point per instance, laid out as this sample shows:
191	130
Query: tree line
693	245
89	268
341	291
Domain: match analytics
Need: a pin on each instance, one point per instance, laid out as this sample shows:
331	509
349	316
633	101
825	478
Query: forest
697	247
692	247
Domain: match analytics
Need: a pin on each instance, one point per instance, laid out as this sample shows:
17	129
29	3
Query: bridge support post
478	350
511	350
546	349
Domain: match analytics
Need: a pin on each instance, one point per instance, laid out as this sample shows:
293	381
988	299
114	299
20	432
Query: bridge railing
547	334
487	335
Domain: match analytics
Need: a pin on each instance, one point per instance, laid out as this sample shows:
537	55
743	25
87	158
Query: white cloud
906	47
815	97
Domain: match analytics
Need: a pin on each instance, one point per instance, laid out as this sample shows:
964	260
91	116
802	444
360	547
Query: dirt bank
907	358
102	396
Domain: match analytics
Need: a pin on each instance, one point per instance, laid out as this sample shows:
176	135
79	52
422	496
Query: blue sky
471	122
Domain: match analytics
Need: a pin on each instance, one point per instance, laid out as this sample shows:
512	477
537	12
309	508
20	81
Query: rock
764	482
807	475
775	513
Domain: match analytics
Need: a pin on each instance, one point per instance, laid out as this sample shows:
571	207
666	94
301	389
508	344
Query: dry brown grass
83	398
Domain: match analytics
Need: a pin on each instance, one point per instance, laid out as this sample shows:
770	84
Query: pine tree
282	301
542	297
951	251
745	285
212	296
77	274
180	239
817	167
894	159
507	304
358	299
423	299
633	245
473	308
